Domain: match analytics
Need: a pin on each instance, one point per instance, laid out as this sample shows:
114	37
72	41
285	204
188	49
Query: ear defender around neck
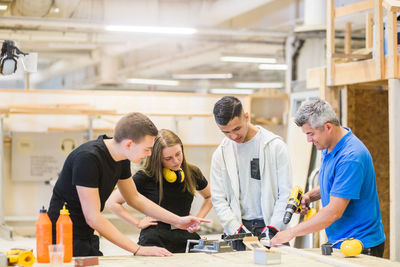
172	176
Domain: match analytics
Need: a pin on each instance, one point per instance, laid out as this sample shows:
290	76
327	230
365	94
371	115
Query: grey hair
316	112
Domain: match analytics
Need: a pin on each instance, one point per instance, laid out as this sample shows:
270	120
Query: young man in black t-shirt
90	174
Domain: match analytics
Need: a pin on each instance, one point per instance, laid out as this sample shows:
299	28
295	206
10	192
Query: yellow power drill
294	205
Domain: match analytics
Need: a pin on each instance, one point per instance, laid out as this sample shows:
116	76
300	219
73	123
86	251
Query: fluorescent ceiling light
153	82
259	85
148	29
248	59
272	67
3	7
202	76
231	91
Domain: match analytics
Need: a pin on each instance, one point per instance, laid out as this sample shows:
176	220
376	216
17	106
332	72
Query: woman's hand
146	222
190	223
153	251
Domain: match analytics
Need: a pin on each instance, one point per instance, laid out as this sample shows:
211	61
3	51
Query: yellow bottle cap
64	211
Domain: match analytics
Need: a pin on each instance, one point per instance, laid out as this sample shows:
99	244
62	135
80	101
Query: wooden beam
394	159
330	42
353	8
379	52
347	39
355	72
355	56
361	72
368	30
392	45
392	5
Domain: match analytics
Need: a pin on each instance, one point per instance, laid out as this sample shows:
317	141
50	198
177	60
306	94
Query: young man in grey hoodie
250	175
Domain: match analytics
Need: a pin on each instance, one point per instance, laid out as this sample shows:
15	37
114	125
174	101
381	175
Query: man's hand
282	237
153	251
190	223
146	222
305	203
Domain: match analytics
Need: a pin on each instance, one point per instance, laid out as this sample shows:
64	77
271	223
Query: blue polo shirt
348	172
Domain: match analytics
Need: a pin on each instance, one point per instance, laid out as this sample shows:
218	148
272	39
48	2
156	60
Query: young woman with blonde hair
168	180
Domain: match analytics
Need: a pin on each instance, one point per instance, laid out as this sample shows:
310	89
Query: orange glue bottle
64	233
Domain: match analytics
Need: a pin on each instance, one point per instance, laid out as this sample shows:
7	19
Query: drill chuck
290	209
287	217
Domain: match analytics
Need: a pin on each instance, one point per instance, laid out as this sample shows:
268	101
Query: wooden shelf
350	73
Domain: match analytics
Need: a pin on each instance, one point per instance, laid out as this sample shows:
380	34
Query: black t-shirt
174	199
89	165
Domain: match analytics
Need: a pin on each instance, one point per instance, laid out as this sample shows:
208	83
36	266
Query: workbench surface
294	258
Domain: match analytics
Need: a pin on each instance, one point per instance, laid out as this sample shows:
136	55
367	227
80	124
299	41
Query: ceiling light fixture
202	76
3	7
148	29
153	82
259	85
248	59
272	67
231	91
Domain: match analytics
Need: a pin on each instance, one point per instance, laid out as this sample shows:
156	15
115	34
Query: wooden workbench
292	258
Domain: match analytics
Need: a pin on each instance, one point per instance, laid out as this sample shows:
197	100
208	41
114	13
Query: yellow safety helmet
351	247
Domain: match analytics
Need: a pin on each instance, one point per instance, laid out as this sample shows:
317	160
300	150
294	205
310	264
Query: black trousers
161	235
376	251
86	247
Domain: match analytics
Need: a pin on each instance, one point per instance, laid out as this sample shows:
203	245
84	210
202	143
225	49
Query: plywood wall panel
367	116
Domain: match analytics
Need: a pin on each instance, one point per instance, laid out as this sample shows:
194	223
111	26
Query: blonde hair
153	166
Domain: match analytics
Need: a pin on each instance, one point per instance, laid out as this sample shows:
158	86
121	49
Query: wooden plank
392	5
338	258
368	30
330	42
392	45
351	56
360	72
379	50
289	257
394	159
353	8
355	72
347	39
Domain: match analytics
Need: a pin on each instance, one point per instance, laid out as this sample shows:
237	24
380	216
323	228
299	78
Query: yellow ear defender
171	176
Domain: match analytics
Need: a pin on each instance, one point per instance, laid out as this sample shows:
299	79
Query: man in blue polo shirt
347	184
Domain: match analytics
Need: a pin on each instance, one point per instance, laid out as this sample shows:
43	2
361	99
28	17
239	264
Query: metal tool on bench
234	237
264	238
208	246
350	247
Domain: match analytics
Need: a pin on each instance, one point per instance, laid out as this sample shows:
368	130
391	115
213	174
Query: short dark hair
134	126
226	109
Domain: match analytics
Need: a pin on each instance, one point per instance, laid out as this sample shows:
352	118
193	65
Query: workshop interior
220	132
